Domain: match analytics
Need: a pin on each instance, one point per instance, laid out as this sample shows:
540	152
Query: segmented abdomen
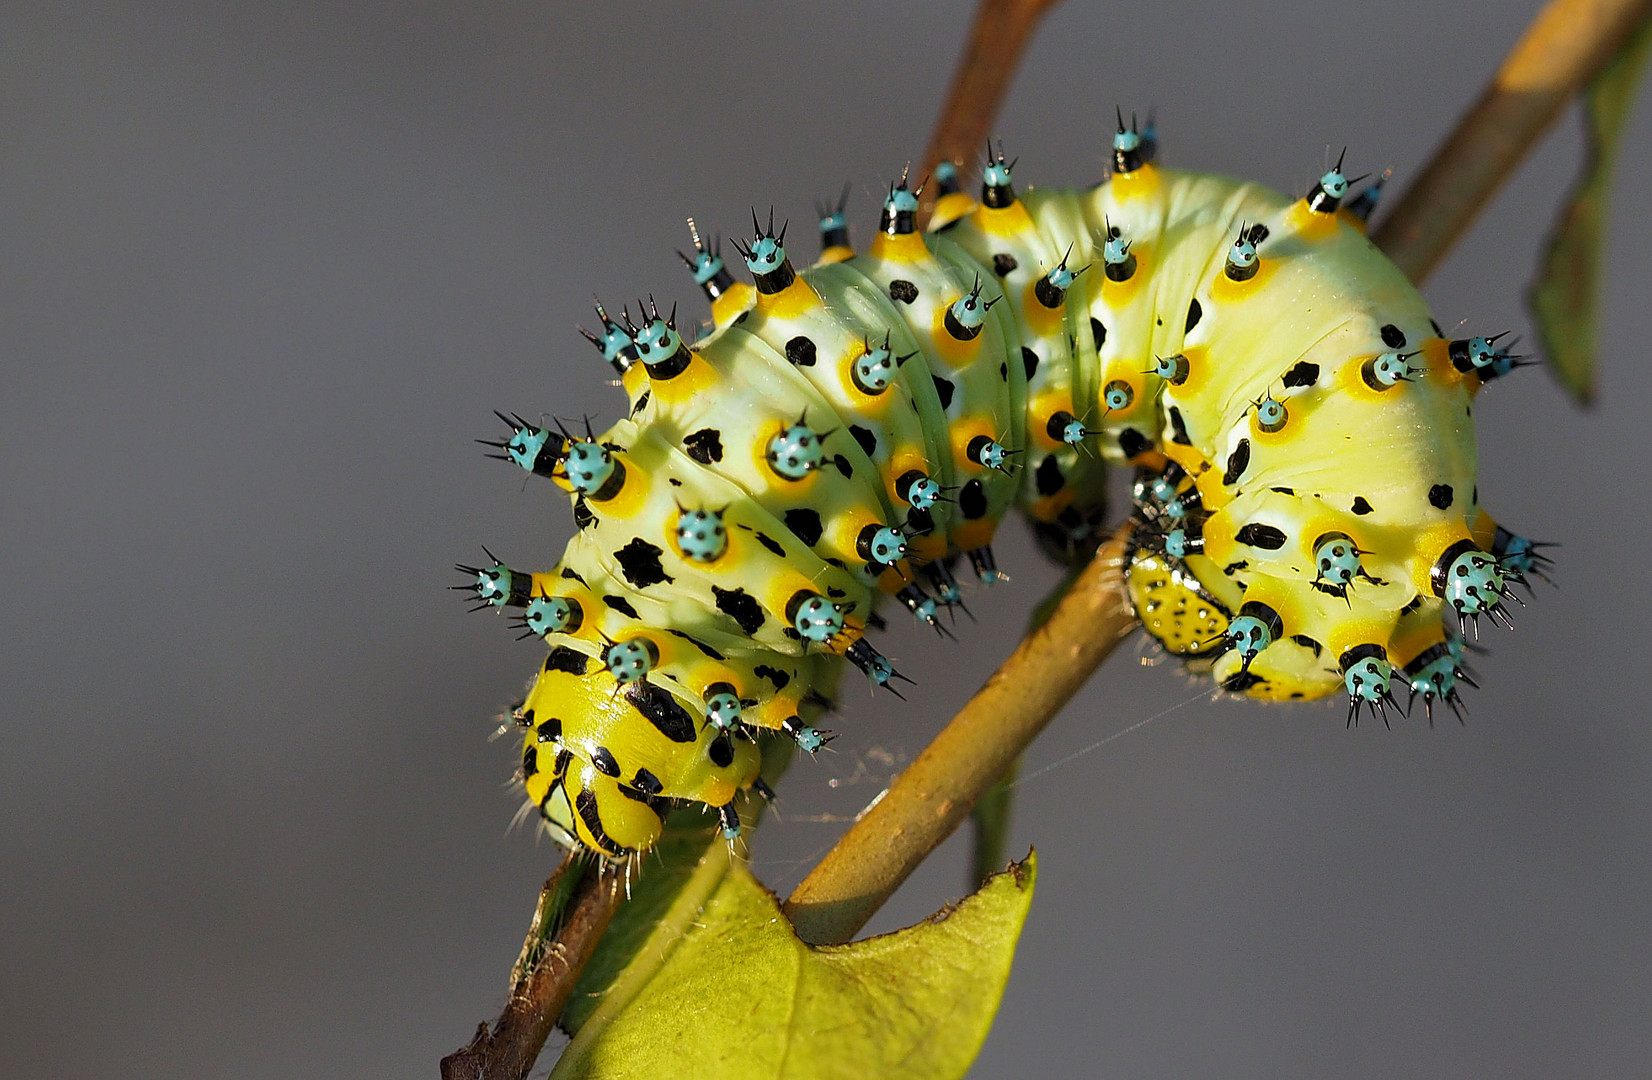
1301	433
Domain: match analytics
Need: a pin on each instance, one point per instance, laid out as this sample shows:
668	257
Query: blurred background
267	268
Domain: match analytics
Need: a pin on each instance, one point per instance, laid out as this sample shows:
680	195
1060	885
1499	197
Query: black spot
1004	264
1258	535
1133	442
1308	643
775	675
1099	332
1303	374
583	518
835	593
1238	462
721	752
1416	602
1240	681
530	761
1029	360
972	500
920	522
1178	428
640	562
1194	314
944	388
902	291
1360	506
806	524
660	708
673	481
621	605
843	466
647	783
1437	331
1003	372
801	351
603	759
1440	496
572	576
1475	497
868	441
1283	490
549	730
704	446
1392	337
586	805
1048	477
702	646
563	658
1234	567
642	403
740	606
772	544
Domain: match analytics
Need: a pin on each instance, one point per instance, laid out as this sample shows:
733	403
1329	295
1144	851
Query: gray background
265	270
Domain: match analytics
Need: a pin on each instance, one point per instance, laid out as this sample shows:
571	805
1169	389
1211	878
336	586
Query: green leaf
724	988
680	871
1565	299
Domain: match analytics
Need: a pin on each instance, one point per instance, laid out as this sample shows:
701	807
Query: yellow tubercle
949	208
954	352
794	300
1429	545
1142	183
1117	294
900	248
835	254
698	377
735	299
631	495
1011	220
1224	290
1042	321
1309	224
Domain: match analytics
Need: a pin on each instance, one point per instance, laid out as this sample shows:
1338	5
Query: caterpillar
1305	519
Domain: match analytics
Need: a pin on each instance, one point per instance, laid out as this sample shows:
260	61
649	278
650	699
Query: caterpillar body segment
1306	516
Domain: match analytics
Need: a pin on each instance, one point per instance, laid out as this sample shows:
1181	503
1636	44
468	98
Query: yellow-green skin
1320	298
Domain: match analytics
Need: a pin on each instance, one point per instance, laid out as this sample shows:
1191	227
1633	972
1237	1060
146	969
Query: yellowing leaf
1565	299
724	989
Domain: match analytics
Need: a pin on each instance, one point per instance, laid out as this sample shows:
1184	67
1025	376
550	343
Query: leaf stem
1566	45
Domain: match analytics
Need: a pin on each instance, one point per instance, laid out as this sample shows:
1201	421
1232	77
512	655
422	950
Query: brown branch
1563	49
980	83
936	792
568	922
